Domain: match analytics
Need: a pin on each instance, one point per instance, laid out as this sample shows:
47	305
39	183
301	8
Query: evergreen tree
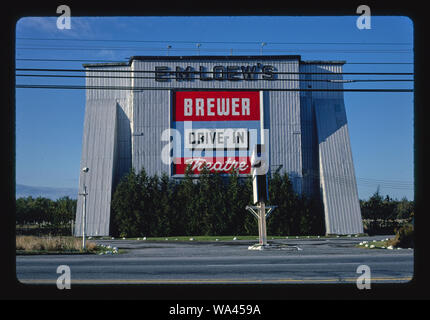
217	211
285	220
200	216
164	207
249	226
186	203
126	206
23	210
178	219
64	210
404	209
234	201
150	223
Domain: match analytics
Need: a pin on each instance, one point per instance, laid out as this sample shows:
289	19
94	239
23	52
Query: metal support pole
260	227
259	212
84	216
263	236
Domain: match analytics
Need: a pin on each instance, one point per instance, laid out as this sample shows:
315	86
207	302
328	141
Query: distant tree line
42	210
378	207
211	204
45	216
385	215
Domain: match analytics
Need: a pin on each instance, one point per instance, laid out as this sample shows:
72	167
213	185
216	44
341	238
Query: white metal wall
309	136
336	169
98	153
151	109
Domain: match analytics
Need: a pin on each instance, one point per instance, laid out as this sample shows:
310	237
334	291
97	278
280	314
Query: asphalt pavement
324	260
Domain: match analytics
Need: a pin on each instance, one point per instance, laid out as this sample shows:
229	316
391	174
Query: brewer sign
218	129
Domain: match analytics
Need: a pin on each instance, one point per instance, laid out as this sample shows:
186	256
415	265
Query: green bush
208	204
404	237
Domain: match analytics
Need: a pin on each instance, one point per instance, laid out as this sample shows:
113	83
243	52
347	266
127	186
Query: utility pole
262	45
84	216
84	208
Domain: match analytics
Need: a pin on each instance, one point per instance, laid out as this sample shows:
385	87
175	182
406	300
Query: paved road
331	260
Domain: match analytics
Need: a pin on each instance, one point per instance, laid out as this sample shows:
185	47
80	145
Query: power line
379	63
344	180
295	50
167	78
66	60
198	72
35	86
217	42
96	60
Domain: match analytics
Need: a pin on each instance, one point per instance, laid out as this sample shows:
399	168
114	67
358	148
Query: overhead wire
137	88
295	50
172	78
344	180
261	44
364	182
198	72
215	42
266	50
101	60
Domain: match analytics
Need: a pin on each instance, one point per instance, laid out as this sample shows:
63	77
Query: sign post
259	212
260	191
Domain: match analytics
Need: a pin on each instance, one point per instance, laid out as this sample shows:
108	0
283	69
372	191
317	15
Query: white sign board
217	139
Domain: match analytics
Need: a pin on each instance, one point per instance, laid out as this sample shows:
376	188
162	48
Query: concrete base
274	246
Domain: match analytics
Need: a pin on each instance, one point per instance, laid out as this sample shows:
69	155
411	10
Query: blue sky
49	123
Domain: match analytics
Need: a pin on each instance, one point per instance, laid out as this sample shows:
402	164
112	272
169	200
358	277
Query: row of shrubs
213	205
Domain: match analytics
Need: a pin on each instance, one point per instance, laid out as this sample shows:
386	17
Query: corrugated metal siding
152	107
106	147
150	119
309	148
124	101
98	148
308	132
338	183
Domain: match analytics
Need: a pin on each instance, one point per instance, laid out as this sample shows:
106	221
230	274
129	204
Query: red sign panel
217	106
218	164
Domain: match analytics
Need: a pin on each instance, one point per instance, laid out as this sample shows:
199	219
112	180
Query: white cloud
81	27
42	25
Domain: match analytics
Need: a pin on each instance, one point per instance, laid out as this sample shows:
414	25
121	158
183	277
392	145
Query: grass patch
389	244
404	238
41	245
383	244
